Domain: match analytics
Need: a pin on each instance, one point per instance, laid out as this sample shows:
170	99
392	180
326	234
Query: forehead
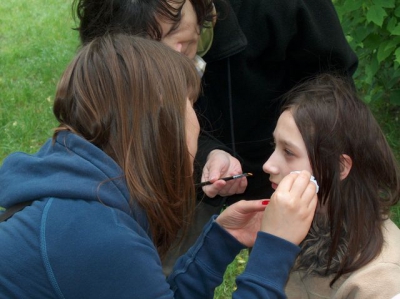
286	124
166	21
286	129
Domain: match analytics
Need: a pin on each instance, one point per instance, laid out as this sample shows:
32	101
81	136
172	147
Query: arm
102	252
309	35
239	227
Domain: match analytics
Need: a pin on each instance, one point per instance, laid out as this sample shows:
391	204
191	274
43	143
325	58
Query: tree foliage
372	28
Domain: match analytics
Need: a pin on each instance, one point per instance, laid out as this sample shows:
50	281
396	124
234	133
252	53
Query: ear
345	166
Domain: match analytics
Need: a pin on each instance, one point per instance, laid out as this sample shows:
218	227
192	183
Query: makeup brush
234	177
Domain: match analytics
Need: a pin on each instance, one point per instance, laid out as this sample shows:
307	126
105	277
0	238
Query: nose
189	41
178	47
270	166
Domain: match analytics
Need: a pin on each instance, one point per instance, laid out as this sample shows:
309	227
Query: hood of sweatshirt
69	168
228	37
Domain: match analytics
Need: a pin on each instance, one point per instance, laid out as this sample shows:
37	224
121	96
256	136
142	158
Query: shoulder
381	277
89	246
390	252
87	221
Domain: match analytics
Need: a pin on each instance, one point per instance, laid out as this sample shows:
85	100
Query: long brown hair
334	121
127	95
98	17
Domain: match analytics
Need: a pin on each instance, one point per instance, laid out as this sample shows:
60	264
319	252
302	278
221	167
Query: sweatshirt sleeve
268	268
265	276
197	273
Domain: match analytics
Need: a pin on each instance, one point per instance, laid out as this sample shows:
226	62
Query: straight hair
334	121
127	95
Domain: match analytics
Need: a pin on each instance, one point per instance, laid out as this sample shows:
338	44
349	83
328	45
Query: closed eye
173	29
288	152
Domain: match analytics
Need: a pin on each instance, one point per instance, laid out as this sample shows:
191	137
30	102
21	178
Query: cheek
303	164
192	144
192	131
170	43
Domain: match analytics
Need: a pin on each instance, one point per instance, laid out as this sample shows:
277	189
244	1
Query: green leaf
384	3
367	98
378	95
392	43
391	24
384	51
361	32
394	77
376	14
396	30
373	41
397	55
349	6
371	69
397	11
395	96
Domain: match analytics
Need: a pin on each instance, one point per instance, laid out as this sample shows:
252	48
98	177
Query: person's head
132	97
177	23
327	129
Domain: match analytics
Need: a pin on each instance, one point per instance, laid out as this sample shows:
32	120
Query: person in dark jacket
104	199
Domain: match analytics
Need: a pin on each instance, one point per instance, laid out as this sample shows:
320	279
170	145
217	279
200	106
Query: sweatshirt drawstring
232	129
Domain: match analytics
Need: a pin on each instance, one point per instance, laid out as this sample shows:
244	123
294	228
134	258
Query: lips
274	186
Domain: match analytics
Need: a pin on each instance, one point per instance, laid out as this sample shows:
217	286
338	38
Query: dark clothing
261	49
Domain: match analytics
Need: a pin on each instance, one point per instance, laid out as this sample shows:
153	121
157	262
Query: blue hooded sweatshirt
80	238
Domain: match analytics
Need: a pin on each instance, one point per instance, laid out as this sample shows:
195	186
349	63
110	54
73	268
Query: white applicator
312	179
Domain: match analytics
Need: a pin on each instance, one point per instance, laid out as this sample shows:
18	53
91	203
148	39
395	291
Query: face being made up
184	36
290	152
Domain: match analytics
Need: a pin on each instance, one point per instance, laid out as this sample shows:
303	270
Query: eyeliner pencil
237	176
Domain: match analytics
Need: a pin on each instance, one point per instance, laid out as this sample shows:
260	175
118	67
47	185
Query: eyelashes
285	150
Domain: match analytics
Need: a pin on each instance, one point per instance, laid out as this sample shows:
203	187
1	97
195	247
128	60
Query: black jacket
261	49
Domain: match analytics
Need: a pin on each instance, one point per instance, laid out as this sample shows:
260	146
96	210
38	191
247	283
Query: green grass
37	43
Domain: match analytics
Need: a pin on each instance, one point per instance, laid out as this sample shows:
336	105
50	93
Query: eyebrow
286	142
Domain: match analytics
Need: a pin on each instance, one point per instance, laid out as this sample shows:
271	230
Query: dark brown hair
139	17
127	95
333	121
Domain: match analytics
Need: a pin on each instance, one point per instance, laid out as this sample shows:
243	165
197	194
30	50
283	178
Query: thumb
215	171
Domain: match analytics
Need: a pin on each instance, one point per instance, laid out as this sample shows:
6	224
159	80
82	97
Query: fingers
217	164
243	220
292	208
295	183
226	188
250	206
221	164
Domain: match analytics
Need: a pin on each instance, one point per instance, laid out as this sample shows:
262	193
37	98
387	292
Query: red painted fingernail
265	202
